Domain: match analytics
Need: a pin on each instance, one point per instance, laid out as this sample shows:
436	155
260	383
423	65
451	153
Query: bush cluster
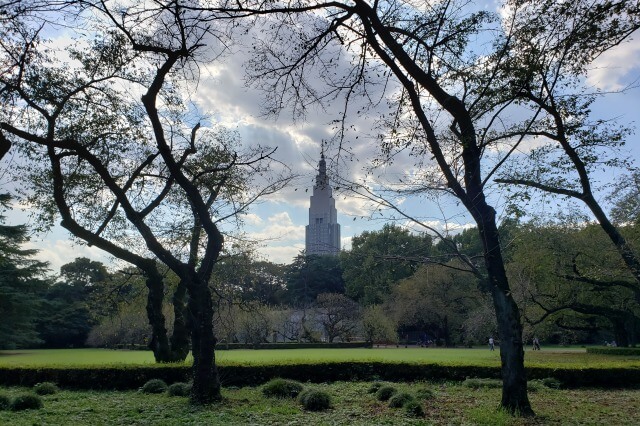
45	388
5	402
315	400
282	388
27	401
425	393
400	399
414	409
154	386
385	392
179	389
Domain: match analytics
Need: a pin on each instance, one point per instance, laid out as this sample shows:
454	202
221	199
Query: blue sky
279	221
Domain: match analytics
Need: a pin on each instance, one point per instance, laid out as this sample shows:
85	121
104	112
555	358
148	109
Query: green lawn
548	357
453	404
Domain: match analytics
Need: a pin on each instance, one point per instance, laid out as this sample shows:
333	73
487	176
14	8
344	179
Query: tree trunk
206	381
5	145
159	342
514	381
180	336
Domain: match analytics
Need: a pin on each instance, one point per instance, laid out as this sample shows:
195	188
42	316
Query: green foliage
282	388
551	382
400	399
368	276
5	402
425	393
475	383
21	286
385	392
377	325
154	386
309	276
27	401
45	388
614	351
414	409
373	388
315	400
179	389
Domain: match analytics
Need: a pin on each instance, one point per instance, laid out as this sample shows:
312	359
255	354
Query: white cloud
252	219
612	71
61	252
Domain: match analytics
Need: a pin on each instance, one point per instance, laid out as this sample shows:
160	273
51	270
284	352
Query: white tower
323	231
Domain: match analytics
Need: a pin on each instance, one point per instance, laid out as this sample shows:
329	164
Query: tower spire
323	231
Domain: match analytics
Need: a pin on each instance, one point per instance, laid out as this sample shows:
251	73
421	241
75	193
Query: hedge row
614	351
293	345
290	345
131	377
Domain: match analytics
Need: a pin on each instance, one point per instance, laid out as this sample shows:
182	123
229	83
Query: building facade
323	231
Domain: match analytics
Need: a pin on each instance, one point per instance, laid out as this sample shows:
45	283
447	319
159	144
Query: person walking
536	344
491	346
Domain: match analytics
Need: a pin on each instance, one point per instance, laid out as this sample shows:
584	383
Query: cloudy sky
280	220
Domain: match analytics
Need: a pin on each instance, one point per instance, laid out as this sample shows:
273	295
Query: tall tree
545	62
423	56
309	276
139	179
379	259
22	285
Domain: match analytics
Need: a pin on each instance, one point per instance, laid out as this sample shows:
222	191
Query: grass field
453	404
548	357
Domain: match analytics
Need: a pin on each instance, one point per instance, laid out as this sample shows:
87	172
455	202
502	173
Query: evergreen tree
21	285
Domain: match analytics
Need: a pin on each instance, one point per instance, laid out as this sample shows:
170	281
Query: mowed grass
453	403
548	357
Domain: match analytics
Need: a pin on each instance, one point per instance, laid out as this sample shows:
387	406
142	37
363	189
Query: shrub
399	400
315	400
282	388
27	401
534	385
154	386
385	392
374	387
5	402
425	393
482	383
414	409
179	389
45	388
614	351
551	382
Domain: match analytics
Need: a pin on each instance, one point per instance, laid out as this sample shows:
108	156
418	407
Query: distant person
536	344
491	344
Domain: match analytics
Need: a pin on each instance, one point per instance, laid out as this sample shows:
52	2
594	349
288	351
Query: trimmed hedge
293	345
614	351
132	377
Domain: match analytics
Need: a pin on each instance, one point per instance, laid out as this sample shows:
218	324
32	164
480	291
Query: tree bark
206	381
514	380
159	342
5	145
180	336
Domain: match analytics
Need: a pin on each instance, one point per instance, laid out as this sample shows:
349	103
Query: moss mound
27	401
154	386
46	388
282	388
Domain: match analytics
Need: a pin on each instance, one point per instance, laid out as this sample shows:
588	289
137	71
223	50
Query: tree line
570	284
